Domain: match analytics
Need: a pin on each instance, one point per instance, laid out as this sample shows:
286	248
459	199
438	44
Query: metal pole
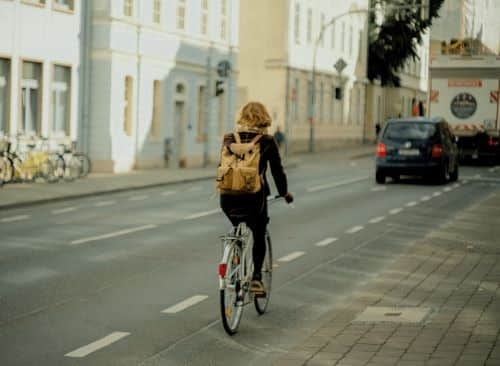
208	97
287	110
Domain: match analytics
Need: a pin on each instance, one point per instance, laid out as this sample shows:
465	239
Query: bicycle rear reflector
222	269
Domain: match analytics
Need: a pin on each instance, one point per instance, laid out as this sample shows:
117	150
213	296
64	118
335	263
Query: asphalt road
86	282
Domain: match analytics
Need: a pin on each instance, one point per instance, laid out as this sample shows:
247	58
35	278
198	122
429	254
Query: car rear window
409	130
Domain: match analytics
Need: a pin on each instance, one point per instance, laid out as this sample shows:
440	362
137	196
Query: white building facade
152	82
39	67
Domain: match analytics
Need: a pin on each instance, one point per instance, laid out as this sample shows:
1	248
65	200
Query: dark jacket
269	155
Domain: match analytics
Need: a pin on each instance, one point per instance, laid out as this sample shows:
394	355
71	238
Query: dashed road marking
395	211
104	203
202	214
290	257
425	198
436	194
465	181
411	204
183	305
477	176
446	189
456	185
334	184
97	345
325	242
378	189
354	229
138	198
64	210
15	218
168	193
113	234
195	189
376	220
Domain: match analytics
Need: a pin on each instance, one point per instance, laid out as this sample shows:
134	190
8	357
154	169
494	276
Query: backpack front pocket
224	178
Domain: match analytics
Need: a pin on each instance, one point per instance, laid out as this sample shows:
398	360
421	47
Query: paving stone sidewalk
453	274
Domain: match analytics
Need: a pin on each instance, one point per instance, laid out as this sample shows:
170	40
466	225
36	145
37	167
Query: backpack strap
256	139
237	137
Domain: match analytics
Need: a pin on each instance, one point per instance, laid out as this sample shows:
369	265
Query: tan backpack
238	172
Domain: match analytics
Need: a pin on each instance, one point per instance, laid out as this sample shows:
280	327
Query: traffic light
219	87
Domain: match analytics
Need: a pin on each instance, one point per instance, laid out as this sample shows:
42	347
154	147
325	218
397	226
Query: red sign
494	96
465	83
434	97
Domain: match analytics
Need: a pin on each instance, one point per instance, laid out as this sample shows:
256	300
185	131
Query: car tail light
437	150
222	269
492	142
381	150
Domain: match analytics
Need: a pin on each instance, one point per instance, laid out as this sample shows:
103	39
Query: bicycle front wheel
232	295
261	302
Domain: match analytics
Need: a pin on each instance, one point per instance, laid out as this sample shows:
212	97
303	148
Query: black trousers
251	209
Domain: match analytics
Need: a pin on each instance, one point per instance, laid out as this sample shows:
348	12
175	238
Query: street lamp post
423	5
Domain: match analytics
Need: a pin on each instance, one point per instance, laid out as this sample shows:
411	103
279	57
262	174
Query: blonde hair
254	115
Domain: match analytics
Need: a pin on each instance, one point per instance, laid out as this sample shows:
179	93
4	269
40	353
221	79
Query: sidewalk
441	299
17	195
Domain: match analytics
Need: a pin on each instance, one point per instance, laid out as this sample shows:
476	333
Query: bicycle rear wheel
261	302
85	164
231	296
6	169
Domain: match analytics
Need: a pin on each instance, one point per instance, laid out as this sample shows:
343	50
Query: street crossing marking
376	220
325	242
113	234
138	198
354	229
411	204
378	189
334	184
425	198
290	257
395	211
63	210
202	214
185	304
97	345
15	218
104	203
436	194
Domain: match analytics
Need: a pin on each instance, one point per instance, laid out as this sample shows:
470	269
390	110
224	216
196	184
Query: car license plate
409	152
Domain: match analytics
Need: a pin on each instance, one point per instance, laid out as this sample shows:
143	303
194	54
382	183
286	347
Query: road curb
113	191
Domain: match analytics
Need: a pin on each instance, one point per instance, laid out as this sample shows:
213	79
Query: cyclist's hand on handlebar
288	197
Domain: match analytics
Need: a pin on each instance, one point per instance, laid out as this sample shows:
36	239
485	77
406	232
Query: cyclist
254	120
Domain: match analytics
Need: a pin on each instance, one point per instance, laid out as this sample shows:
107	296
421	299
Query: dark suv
417	146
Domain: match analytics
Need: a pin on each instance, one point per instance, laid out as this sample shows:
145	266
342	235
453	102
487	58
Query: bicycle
235	275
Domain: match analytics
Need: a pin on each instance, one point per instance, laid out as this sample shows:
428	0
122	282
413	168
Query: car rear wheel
380	177
444	174
454	175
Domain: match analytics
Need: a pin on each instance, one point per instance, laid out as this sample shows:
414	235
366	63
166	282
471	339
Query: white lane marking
354	229
447	189
353	163
290	257
436	194
492	170
15	218
104	203
456	185
325	242
97	345
411	204
395	211
138	198
376	220
465	181
63	210
113	234
334	184
378	189
195	189
425	198
477	176
168	193
183	305
202	214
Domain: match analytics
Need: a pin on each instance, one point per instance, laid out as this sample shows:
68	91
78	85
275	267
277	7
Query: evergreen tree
394	41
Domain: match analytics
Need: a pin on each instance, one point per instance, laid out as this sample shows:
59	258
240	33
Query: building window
61	100
323	36
297	23
31	98
4	94
156	115
204	16
332	40
309	26
181	14
67	5
157	11
128	8
223	19
202	135
127	106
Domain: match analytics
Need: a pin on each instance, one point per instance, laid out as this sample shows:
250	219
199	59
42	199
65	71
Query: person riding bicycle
252	124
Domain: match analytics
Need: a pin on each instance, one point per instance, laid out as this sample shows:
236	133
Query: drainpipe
138	50
85	77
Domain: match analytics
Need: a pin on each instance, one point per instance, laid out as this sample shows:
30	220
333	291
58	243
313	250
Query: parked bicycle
235	275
